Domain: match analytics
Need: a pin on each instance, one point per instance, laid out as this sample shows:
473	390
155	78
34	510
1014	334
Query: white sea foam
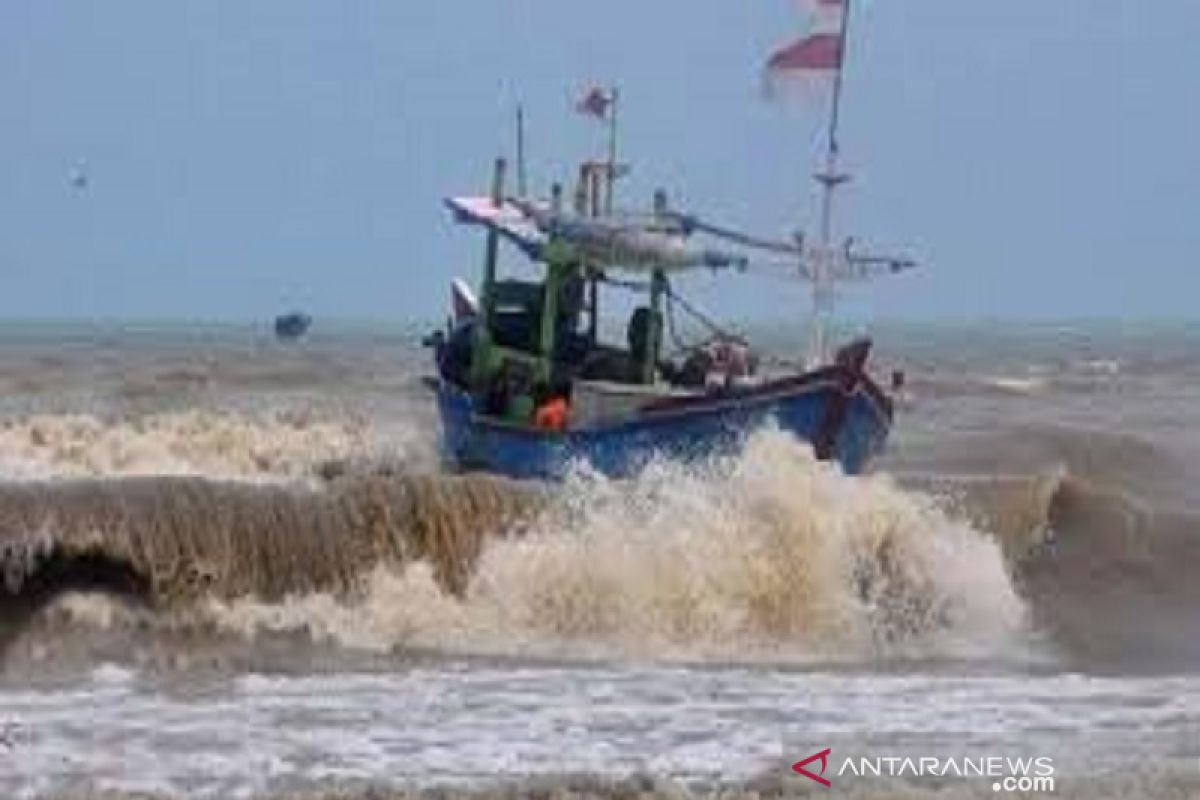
459	724
770	555
270	446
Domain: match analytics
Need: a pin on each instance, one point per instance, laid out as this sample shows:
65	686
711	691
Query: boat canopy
507	219
634	243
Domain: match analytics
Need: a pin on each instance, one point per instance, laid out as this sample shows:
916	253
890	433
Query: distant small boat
289	327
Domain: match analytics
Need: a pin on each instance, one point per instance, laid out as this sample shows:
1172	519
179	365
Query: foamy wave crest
275	445
770	555
1016	385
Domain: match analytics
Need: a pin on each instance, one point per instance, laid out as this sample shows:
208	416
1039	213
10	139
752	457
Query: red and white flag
820	51
597	102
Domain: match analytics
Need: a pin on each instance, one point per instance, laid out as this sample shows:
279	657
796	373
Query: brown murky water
233	568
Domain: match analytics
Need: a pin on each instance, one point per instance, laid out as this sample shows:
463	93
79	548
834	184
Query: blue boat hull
839	411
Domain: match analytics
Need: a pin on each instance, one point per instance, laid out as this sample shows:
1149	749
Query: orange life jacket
552	415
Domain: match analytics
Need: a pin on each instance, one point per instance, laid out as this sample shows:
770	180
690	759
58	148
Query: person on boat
732	361
552	415
510	395
553	408
720	363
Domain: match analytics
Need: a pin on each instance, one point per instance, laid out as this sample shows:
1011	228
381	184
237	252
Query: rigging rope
717	330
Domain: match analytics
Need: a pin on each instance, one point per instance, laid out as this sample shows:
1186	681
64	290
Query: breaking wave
767	555
179	540
300	526
1101	532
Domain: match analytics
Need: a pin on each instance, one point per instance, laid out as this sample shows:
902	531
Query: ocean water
235	568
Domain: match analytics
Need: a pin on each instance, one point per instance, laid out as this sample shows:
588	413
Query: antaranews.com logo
1008	775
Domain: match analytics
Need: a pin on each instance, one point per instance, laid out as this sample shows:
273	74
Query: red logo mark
823	757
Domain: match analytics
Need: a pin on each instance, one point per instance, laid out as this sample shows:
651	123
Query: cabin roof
633	243
507	219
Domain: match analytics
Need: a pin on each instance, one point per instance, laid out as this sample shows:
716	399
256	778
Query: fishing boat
292	326
529	385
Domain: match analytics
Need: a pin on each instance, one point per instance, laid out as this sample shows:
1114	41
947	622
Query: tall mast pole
611	172
830	180
835	114
522	188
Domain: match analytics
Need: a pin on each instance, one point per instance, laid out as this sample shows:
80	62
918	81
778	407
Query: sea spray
272	446
1016	510
767	555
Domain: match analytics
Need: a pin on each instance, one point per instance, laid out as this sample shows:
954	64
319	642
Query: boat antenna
522	186
821	267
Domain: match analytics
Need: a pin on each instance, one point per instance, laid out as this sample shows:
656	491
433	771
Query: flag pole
821	268
835	114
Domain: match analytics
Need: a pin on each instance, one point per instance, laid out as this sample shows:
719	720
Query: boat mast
821	267
483	340
611	172
522	187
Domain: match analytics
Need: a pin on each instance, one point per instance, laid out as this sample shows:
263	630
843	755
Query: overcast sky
246	156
